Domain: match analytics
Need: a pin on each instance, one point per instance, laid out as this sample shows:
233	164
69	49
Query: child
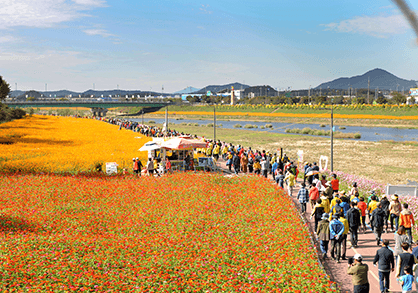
407	280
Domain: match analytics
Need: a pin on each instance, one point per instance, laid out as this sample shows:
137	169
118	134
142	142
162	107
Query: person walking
303	197
290	181
313	195
336	229
343	220
407	280
323	233
386	264
395	209
377	221
385	207
400	237
317	212
236	163
404	259
359	272
362	206
150	167
406	219
264	167
354	222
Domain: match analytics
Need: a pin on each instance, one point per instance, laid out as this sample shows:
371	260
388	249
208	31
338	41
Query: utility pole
214	125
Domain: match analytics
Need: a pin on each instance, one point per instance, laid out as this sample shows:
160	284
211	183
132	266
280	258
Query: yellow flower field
65	144
299	115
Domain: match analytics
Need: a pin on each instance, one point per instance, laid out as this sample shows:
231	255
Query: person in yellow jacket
334	200
344	236
216	151
325	203
290	181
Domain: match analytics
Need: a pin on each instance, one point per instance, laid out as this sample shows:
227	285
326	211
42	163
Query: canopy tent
150	146
181	143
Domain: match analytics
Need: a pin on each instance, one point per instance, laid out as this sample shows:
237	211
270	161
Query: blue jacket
336	228
303	195
346	207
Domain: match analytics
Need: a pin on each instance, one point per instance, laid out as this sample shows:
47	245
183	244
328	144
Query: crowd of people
336	213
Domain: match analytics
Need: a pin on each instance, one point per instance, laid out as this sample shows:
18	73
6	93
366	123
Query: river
367	133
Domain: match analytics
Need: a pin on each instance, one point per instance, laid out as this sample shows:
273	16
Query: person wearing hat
323	234
395	209
336	229
328	190
359	272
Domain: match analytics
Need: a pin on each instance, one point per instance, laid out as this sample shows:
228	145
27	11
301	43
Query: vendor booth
178	150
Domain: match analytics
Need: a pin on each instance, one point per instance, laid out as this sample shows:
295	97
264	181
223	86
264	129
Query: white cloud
98	32
97	3
42	13
8	39
205	9
377	26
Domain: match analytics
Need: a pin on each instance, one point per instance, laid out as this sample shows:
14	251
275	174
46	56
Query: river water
367	133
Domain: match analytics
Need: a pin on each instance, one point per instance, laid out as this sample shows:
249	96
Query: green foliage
29	99
4	88
398	98
8	114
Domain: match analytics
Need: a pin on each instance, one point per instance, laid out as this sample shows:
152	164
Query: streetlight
332	135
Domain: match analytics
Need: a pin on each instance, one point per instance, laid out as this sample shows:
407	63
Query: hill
379	78
187	90
218	88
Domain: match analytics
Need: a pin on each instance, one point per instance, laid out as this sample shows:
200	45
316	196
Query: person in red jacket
313	195
406	219
335	183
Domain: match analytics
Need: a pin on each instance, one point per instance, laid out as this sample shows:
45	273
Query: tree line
6	113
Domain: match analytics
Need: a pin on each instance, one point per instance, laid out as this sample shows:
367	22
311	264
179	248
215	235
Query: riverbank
384	161
395	123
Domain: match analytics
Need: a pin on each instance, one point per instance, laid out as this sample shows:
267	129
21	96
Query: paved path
338	271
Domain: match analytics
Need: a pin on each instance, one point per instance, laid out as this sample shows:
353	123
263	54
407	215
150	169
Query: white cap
358	256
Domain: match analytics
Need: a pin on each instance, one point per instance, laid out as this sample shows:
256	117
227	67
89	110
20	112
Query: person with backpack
354	222
385	207
377	220
336	229
317	212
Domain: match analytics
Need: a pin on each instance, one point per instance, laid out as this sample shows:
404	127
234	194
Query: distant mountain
15	94
379	78
187	90
218	88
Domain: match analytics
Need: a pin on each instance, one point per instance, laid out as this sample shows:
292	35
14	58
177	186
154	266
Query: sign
325	160
300	159
111	168
407	190
413	92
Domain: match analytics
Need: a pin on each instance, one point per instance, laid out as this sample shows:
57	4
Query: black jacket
385	204
384	256
353	217
378	218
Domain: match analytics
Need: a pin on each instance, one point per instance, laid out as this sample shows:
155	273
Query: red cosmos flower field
179	233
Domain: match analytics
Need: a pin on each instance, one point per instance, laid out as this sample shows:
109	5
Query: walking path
338	271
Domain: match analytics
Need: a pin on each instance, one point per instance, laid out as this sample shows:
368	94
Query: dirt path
338	271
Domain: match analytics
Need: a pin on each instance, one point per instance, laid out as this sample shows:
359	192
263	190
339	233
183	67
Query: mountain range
379	78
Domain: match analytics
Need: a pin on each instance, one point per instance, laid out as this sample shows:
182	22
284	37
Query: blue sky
73	44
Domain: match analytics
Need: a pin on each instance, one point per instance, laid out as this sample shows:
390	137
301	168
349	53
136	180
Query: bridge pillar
100	112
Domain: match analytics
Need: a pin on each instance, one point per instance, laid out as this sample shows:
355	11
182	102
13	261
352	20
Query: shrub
151	122
357	135
237	126
342	127
269	125
322	125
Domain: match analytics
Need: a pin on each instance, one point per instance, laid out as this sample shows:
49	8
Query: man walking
386	264
354	222
377	220
336	229
359	272
323	234
303	197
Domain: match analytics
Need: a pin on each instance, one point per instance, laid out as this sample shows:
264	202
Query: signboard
408	190
413	92
300	159
111	168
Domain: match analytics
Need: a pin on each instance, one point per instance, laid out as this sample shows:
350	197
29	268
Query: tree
398	98
4	88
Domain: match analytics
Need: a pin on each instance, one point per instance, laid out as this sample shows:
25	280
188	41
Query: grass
310	131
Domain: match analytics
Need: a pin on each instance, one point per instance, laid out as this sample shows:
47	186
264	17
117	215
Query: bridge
98	107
